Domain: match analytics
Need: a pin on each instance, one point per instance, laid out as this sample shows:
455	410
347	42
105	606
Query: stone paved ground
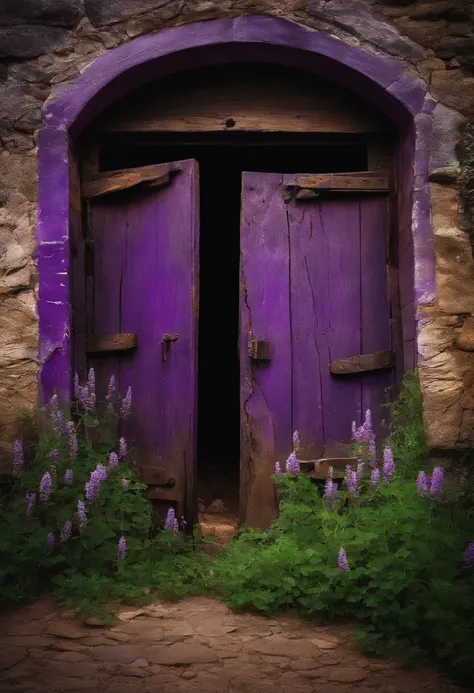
194	645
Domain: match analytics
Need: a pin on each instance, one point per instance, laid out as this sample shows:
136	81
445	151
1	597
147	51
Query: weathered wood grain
243	97
363	363
111	342
146	250
367	181
155	476
155	175
264	314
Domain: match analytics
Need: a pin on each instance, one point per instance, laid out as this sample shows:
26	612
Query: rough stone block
66	13
31	40
105	12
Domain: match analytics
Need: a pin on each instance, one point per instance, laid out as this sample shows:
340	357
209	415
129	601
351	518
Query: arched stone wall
361	44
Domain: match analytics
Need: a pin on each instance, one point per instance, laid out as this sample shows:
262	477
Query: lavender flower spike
126	406
296	441
437	482
50	541
375	477
170	518
81	515
91	380
422	484
73	446
331	490
65	532
278	471
372	453
353	483
45	487
113	460
469	555
76	386
30	499
54	455
292	465
122	448
111	390
342	562
388	467
68	476
18	457
93	485
122	548
125	483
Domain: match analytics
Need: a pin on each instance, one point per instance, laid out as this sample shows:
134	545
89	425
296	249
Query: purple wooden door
146	283
314	285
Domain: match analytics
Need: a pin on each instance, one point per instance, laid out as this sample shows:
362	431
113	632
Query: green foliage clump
410	582
106	551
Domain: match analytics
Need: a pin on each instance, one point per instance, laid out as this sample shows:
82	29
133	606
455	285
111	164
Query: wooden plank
264	313
243	98
364	363
156	476
325	319
365	181
157	175
78	271
111	342
146	252
375	309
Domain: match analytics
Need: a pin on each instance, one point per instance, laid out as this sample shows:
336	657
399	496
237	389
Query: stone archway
384	81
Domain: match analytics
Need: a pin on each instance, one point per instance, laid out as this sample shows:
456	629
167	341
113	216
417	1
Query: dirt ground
196	645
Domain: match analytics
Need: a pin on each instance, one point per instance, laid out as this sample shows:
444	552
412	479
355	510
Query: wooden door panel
146	283
264	315
314	284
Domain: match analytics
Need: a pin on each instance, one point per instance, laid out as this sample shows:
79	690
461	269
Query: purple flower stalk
122	548
170	518
69	428
45	487
296	440
388	466
125	483
342	563
422	484
292	464
92	486
113	460
331	490
53	404
18	457
437	482
50	541
122	448
363	434
360	471
30	499
126	406
353	483
81	515
111	390
68	476
73	446
91	381
372	453
375	477
76	386
278	471
469	555
54	455
65	532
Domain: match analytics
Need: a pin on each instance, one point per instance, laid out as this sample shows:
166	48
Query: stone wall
45	43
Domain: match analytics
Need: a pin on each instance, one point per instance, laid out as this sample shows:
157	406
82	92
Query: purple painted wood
146	282
265	315
331	258
78	271
375	304
327	249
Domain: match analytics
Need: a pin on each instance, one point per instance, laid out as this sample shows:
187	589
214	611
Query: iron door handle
166	344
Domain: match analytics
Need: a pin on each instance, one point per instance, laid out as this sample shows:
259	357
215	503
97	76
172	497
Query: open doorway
222	158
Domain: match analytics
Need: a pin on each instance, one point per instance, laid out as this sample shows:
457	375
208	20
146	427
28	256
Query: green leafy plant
77	520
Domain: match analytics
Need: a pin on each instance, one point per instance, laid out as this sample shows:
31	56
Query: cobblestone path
196	645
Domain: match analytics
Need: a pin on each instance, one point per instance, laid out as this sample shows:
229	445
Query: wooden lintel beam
364	181
97	344
363	363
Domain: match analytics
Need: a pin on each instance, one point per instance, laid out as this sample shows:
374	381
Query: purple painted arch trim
383	80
